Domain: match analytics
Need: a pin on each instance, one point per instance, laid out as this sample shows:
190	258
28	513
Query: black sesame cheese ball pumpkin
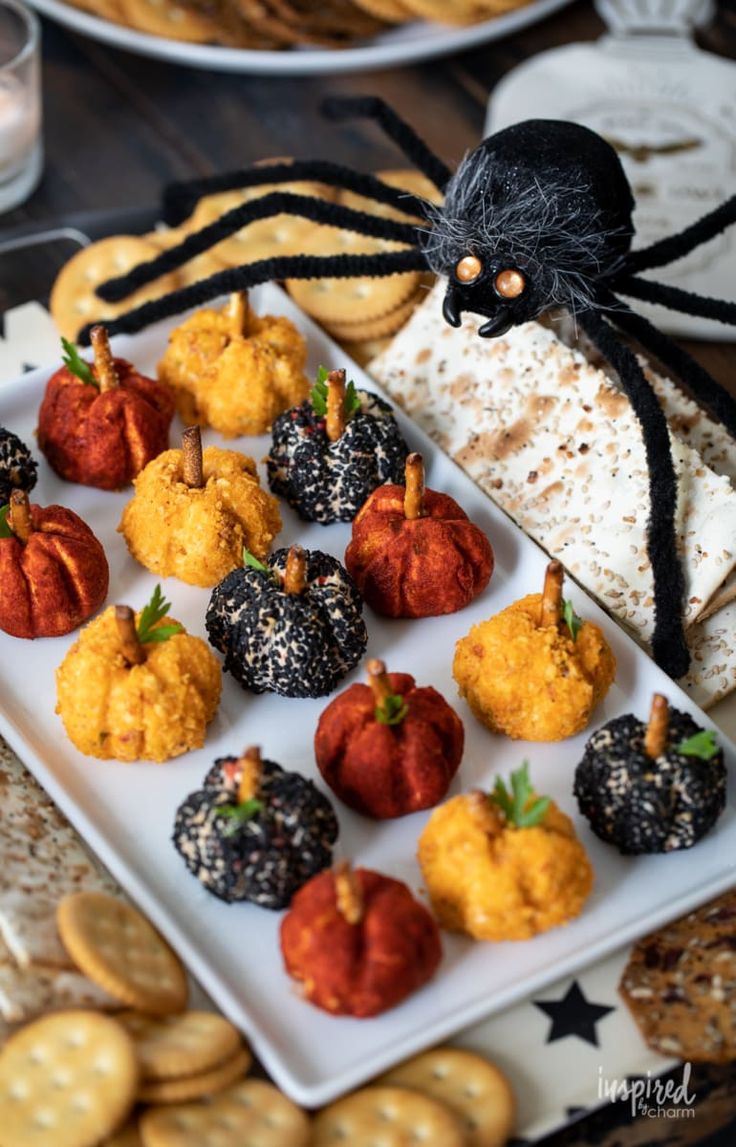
292	627
18	470
651	788
255	832
329	454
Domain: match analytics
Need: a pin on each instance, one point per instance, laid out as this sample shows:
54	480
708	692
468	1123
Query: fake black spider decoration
537	216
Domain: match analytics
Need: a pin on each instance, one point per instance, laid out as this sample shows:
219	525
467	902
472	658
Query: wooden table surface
118	127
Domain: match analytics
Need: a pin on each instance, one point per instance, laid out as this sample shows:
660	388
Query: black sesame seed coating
18	471
269	857
329	481
298	645
644	805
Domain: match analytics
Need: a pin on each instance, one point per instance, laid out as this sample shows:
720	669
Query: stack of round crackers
360	313
156	1074
283	24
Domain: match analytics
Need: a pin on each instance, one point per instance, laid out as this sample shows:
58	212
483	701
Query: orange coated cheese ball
126	694
531	674
496	879
194	512
234	371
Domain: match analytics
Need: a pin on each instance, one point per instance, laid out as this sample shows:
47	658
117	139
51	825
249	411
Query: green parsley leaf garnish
515	804
249	559
148	628
5	530
74	363
392	711
239	814
702	744
318	395
571	619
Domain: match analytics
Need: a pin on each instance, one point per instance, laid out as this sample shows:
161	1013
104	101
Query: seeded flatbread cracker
73	301
169	1047
67	1080
382	327
473	1089
555	443
251	1112
393	1116
117	948
205	1083
129	1136
680	985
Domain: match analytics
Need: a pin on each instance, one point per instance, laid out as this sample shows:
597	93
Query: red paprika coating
389	770
419	567
104	438
56	580
365	968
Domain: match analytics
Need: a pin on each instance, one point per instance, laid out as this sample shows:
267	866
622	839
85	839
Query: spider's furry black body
545	201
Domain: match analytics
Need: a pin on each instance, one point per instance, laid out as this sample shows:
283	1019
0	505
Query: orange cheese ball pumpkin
233	370
524	674
414	552
194	512
53	570
389	748
358	942
128	699
104	431
496	880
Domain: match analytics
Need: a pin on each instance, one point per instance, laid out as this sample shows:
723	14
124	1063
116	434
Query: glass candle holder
21	148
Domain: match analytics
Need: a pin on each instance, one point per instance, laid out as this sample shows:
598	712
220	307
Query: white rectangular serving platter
126	812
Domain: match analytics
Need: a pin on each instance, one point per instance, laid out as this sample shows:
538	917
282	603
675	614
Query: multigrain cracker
191	1087
680	985
169	1047
67	1080
251	1112
73	301
170	20
473	1089
393	1116
114	944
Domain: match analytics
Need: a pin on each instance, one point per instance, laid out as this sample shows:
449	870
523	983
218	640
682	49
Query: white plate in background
407	44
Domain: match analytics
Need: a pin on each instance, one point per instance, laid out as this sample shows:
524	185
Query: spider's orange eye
510	283
468	269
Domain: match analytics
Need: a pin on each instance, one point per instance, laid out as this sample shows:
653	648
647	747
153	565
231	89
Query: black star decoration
573	1015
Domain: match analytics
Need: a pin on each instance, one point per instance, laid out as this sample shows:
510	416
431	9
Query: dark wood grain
119	126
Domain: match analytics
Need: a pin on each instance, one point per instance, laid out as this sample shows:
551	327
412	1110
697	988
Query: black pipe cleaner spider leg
537	216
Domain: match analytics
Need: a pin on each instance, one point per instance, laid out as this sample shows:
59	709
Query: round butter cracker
197	1086
252	1112
476	1091
73	301
116	947
391	1116
67	1080
169	1047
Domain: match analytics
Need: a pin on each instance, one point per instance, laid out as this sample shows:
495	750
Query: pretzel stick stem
655	740
414	495
133	651
335	423
192	468
107	375
19	518
250	778
552	594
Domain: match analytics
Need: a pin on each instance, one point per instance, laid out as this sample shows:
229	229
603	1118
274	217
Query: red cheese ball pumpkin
359	942
389	748
414	552
103	433
53	571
